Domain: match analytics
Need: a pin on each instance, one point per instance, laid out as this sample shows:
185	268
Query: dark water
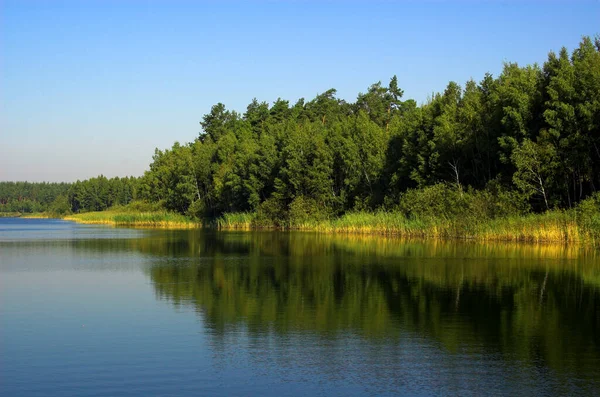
88	310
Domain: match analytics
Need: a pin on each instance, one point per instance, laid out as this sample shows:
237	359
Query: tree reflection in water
525	302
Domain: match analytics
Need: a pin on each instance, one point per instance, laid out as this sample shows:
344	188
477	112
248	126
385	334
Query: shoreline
555	227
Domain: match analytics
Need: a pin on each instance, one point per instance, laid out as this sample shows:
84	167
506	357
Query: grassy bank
10	214
439	211
154	219
424	218
553	226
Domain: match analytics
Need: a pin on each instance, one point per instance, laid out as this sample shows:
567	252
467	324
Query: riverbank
550	227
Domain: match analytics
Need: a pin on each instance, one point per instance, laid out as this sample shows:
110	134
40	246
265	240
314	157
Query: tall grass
236	220
552	226
116	217
578	225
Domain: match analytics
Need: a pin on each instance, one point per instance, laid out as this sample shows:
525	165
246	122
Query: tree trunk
543	191
455	170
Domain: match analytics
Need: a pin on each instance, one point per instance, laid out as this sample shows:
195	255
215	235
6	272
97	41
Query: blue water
100	311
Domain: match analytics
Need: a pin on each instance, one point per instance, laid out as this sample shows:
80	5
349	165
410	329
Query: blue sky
92	87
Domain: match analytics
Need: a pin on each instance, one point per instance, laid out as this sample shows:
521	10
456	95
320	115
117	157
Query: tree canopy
533	131
532	134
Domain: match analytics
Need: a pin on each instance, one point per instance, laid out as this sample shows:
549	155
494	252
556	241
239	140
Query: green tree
534	163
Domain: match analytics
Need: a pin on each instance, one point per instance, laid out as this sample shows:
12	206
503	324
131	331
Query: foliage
588	216
101	193
27	197
526	141
60	206
121	217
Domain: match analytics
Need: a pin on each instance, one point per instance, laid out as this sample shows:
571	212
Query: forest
526	141
94	194
27	197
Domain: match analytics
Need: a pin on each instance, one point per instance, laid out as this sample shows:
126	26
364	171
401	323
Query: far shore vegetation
514	157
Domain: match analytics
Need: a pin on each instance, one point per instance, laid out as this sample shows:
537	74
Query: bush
448	202
437	201
196	210
503	202
271	212
588	216
304	210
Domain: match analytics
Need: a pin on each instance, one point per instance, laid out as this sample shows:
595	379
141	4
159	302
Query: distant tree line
94	194
526	140
101	193
30	197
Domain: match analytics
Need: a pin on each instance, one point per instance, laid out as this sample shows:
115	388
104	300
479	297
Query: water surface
88	310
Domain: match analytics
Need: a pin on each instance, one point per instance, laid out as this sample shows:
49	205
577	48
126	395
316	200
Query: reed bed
236	221
157	219
553	226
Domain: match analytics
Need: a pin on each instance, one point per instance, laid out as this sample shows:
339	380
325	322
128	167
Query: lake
100	311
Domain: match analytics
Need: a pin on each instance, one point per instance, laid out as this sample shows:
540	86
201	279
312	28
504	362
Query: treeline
30	197
526	140
94	194
101	193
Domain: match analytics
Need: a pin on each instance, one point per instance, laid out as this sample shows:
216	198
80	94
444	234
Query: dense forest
33	197
526	140
94	194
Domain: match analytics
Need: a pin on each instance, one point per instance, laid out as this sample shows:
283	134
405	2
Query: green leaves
534	163
533	132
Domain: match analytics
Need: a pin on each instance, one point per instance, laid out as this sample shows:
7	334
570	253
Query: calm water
88	310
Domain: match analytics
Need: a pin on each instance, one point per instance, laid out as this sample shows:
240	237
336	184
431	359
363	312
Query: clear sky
92	87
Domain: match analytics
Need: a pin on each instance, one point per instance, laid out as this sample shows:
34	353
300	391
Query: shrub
304	210
437	201
271	212
588	216
196	210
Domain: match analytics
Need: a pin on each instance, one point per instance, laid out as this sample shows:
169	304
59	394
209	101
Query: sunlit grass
236	220
155	219
552	226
